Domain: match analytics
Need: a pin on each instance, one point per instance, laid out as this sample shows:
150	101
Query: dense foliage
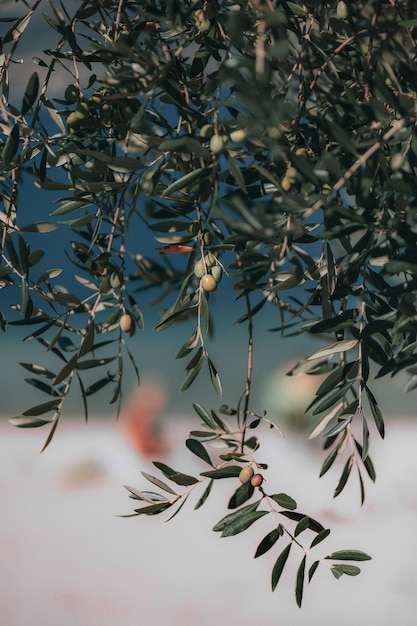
267	144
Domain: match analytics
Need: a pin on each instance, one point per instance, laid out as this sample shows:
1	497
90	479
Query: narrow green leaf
349	555
215	378
31	93
231	517
321	536
153	509
199	450
328	462
165	469
187	181
285	501
229	471
279	566
39	384
312	570
158	483
88	340
39	227
192	375
344	476
28	422
11	146
40	409
302	525
339	346
376	412
299	581
241	495
205	415
268	541
185	480
242	523
341	425
338	570
66	370
205	495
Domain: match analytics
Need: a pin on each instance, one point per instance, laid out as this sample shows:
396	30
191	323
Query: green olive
125	323
116	280
208	283
72	93
246	474
237	136
210	259
342	10
199	269
217	272
217	144
207	131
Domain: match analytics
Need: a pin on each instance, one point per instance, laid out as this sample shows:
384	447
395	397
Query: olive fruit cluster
289	178
247	475
208	271
91	112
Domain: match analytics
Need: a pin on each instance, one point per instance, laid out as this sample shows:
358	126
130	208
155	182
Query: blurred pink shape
140	420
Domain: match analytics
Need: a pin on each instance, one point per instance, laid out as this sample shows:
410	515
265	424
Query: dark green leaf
198	449
320	537
312	570
242	523
349	555
299	582
268	541
159	483
11	145
28	422
229	471
279	566
285	501
232	517
339	570
241	495
40	409
205	495
215	378
31	93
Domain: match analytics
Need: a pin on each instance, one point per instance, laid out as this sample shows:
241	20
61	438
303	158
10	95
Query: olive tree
269	145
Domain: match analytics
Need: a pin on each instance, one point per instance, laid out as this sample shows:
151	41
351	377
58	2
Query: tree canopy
266	148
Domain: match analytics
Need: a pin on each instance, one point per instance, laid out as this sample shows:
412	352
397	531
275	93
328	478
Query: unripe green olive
96	100
207	238
73	119
207	131
217	144
199	268
246	474
210	259
237	136
256	480
125	323
106	112
291	173
342	10
208	283
82	111
217	272
116	280
71	93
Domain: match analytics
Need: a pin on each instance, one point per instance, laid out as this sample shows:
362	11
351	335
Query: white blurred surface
68	560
